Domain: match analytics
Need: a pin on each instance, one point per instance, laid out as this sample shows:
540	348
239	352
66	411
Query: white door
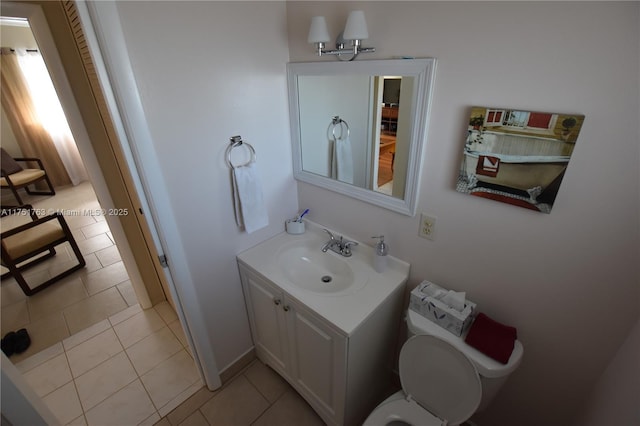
318	359
266	317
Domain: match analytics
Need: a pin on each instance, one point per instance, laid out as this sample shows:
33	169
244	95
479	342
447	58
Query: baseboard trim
240	363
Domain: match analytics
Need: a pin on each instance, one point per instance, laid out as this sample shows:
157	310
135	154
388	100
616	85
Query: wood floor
385	174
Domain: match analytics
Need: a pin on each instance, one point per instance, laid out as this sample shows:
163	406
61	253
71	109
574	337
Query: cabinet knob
277	301
286	308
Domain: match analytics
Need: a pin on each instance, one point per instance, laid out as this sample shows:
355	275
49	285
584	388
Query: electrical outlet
427	226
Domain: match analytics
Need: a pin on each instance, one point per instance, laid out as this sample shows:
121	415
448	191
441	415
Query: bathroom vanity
326	323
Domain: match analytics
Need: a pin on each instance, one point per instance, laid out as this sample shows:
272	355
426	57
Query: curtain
36	117
539	120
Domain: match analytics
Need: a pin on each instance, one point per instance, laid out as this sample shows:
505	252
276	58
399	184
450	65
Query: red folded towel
492	338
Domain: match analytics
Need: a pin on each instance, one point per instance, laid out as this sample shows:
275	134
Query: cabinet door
267	320
318	360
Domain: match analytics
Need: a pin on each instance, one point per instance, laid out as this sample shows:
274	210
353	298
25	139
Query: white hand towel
250	209
342	165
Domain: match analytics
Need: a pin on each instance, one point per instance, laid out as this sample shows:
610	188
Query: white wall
569	281
207	71
614	399
350	102
17	37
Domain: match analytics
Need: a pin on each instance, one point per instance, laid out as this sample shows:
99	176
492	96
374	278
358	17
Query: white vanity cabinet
342	375
326	323
298	344
267	320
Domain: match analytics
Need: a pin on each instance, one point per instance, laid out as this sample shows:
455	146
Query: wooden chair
15	177
30	241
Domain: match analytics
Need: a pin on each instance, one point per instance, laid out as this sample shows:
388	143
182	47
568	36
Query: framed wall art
517	157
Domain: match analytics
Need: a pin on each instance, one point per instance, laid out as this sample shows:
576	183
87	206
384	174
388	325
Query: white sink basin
296	265
305	265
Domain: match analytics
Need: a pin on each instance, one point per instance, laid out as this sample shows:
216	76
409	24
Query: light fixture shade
318	32
356	28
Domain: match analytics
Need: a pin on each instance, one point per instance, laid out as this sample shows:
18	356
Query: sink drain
326	279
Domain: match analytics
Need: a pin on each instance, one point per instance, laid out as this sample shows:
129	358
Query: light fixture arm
341	50
355	31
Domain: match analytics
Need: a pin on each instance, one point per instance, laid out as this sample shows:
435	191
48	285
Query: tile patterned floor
257	396
131	368
74	303
93	348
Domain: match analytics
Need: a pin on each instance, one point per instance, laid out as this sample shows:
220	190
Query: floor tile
195	419
128	293
64	403
180	398
60	267
35	277
94	229
63	293
166	312
14	317
10	292
93	244
151	420
92	264
49	376
45	332
153	349
124	314
163	422
93	352
77	234
77	222
170	378
268	382
177	329
39	358
239	403
138	327
93	309
86	334
129	406
290	409
190	405
98	384
106	277
79	421
108	256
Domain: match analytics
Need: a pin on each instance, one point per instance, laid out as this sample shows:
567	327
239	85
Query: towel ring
236	141
335	123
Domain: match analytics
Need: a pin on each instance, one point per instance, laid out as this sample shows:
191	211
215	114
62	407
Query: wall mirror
359	128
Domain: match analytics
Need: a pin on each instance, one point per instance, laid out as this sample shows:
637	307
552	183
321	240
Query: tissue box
424	301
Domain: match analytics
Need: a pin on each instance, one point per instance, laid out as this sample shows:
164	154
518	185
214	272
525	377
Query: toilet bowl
444	380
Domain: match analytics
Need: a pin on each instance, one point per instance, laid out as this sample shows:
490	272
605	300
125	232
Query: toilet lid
440	378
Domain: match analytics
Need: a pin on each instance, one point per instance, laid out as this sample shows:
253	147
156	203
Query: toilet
444	380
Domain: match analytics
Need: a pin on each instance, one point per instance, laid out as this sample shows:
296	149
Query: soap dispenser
380	255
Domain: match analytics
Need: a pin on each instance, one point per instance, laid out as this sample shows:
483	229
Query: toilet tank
492	373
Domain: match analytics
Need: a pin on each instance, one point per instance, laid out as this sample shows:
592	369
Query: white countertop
345	310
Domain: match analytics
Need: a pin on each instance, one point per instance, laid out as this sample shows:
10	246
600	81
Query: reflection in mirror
358	128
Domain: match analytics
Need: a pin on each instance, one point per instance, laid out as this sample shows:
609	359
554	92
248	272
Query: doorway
151	333
103	287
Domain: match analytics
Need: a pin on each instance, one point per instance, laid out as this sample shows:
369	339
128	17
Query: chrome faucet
338	245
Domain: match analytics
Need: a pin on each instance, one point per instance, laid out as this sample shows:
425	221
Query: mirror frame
423	71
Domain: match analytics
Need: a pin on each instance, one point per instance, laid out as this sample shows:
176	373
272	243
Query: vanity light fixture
355	31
